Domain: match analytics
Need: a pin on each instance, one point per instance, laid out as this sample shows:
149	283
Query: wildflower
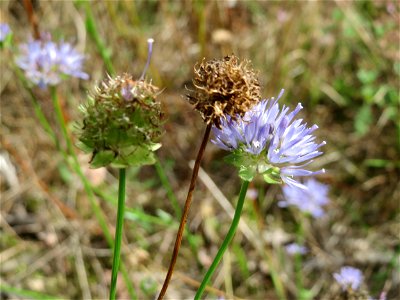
266	141
310	200
4	31
349	277
293	249
122	122
47	63
224	88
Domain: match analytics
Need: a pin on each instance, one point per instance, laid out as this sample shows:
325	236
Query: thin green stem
167	186
200	9
87	186
76	165
23	293
276	280
302	291
73	164
36	106
298	258
118	233
227	240
61	120
267	256
94	34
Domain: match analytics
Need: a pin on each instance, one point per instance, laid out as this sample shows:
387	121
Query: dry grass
314	50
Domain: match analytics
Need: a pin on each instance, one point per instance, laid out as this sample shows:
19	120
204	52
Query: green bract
250	164
121	124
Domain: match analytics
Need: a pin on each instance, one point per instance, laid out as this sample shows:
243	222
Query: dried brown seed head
224	87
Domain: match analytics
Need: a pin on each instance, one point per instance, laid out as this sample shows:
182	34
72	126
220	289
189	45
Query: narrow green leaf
4	288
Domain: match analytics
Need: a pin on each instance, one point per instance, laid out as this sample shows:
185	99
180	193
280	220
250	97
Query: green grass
340	60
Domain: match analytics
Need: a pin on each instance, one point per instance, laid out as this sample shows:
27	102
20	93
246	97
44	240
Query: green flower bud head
122	123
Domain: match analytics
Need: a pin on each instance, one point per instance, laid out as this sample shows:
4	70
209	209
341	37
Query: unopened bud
122	123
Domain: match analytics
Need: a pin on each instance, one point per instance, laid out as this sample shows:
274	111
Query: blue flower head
310	200
294	249
349	277
47	63
267	140
4	31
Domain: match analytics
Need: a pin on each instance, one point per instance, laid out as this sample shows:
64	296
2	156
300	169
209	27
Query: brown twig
32	18
182	224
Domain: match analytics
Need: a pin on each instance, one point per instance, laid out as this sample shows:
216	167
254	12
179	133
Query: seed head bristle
122	122
224	88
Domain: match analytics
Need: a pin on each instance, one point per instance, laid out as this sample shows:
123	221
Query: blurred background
340	59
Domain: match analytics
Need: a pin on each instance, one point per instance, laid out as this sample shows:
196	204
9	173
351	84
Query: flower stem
86	184
94	34
36	106
298	260
167	186
76	166
227	240
118	233
185	213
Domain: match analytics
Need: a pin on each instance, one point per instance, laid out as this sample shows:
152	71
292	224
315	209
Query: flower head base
349	277
47	63
224	88
310	200
266	140
122	123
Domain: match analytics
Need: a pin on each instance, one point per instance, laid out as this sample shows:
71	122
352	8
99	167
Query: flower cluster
310	200
267	140
224	88
349	277
122	123
46	62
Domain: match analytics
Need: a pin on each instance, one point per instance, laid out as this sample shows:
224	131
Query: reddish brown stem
32	18
179	235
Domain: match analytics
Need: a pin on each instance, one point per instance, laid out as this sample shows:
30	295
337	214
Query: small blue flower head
47	63
349	277
267	140
293	249
5	31
310	200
